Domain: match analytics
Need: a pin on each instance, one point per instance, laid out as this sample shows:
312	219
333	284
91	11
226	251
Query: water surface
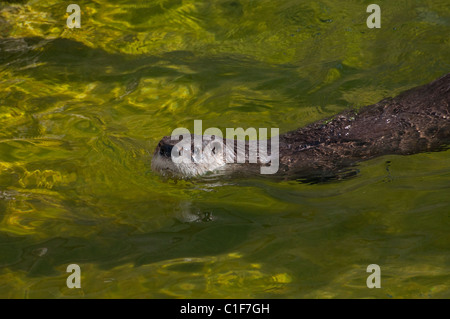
81	111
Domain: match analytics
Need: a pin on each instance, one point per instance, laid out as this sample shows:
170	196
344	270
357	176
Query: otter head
191	156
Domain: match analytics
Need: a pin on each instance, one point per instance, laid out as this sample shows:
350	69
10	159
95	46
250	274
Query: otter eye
214	150
180	152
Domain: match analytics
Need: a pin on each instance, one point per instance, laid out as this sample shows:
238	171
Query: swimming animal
417	120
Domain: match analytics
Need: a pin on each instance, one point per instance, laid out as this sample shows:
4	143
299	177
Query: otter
417	120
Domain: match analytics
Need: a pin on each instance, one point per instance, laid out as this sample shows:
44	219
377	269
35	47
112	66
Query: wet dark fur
417	120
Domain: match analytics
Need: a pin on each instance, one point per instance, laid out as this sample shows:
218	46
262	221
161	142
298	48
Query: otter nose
165	150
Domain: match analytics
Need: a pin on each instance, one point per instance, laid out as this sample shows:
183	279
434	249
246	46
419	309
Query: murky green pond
81	111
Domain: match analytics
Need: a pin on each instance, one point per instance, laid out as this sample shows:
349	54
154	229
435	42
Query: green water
81	111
